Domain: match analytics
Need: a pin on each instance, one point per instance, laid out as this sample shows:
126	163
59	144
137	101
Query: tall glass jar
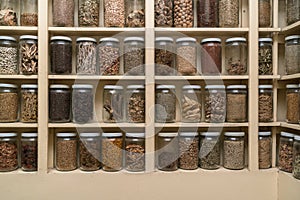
165	103
114	13
113	103
8	102
285	154
135	107
264	150
28	54
296	157
8	55
163	13
265	56
186	56
63	13
188	150
135	152
9	12
208	13
292	103
265	103
211	56
236	54
108	56
191	103
112	151
8	152
29	103
229	13
29	152
134	56
183	13
29	12
292	54
164	56
135	13
88	13
86	56
237	104
292	11
265	13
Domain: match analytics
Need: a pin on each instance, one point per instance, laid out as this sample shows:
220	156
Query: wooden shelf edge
20	172
291	126
18	76
86	77
96	125
291	27
267	77
269	29
222	77
199	125
198	29
18	125
18	28
270	124
289	77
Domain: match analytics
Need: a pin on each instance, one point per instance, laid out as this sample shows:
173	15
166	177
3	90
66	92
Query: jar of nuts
191	103
285	152
292	103
29	103
164	56
135	152
8	152
134	56
186	56
135	103
8	103
183	13
163	13
8	55
135	13
28	56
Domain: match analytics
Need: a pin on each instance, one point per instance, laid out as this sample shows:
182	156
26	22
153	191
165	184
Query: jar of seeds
265	150
234	150
28	55
211	56
86	56
285	152
165	100
183	13
113	103
63	13
265	13
9	12
88	13
292	54
164	56
292	11
292	103
236	109
135	103
108	56
135	13
29	151
8	55
188	150
112	151
29	103
265	56
296	157
265	103
134	56
66	151
114	13
186	56
208	13
8	103
8	152
229	13
29	12
163	13
191	103
135	152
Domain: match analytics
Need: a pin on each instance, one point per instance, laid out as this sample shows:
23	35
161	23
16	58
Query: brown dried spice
265	107
29	107
265	153
112	154
8	156
189	150
285	159
8	107
135	157
234	154
66	155
236	108
292	110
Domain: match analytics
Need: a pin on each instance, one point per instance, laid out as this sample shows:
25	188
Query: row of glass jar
293	103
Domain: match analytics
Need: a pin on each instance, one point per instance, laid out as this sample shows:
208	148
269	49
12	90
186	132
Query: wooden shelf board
18	30
293	28
18	125
291	126
19	172
96	125
18	76
267	77
200	125
289	77
269	30
86	77
222	77
269	124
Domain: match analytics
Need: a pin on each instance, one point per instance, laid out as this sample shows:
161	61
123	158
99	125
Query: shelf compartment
18	76
222	77
18	125
289	77
18	30
96	125
86	77
293	28
206	31
291	126
200	125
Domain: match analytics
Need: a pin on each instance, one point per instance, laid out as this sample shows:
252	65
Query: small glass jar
8	152
82	103
9	12
208	13
134	56
164	56
265	13
296	157
135	152
292	103
29	13
88	13
234	150
66	151
135	107
165	100
89	151
8	102
265	56
191	103
86	56
114	13
285	154
29	103
183	13
8	55
61	55
265	150
229	13
112	151
265	103
108	56
63	13
163	13
167	152
188	150
29	152
237	104
209	155
236	54
135	13
211	56
215	103
292	11
186	56
28	54
292	54
113	107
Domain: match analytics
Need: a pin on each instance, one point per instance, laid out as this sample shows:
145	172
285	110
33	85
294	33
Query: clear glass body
236	54
89	153
134	58
114	13
296	159
29	153
186	58
292	11
285	154
229	13
265	56
88	13
167	153
135	105
265	152
61	57
163	13
237	105
66	153
211	58
9	12
63	13
135	154
265	13
234	152
208	13
215	105
292	54
265	105
191	105
29	12
210	152
188	151
292	105
8	154
135	13
165	108
86	57
28	56
8	57
112	153
29	105
164	58
108	56
113	107
59	105
9	104
183	13
82	105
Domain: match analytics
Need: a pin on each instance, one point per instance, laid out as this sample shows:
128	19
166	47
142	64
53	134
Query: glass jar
163	13
265	13
296	157
264	150
237	107
135	13
112	151
29	13
167	152
265	56
265	103
8	55
210	156
29	103
191	103
29	152
292	11
229	13
61	55
165	103
28	54
9	12
215	103
292	103
88	13
82	103
234	150
63	13
188	150
134	56
8	102
208	13
211	56
114	13
135	103
164	56
8	152
113	107
236	54
89	151
86	56
66	151
285	154
186	56
292	54
183	13
108	56
135	152
59	103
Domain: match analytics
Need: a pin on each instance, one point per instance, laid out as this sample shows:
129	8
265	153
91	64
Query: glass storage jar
113	103
236	53
135	13
265	56
292	103
234	150
167	152
237	104
61	55
135	152
86	56
186	56
108	56
296	157
285	154
229	13
135	107
112	151
8	102
63	13
188	150
292	54
89	151
265	103
8	152
164	56
183	13
215	103
66	151
165	100
191	103
265	150
134	56
88	13
9	12
114	13
208	13
8	55
28	54
265	13
29	103
211	56
29	151
29	12
292	11
163	13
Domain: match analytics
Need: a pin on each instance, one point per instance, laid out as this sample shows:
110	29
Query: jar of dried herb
165	100
296	157
114	13
211	56
135	152
292	11
8	55
229	13
208	13
236	109
113	103
8	152
8	103
285	152
29	151
186	56
164	56
86	56
265	103
265	56
135	107
292	103
9	12
29	12
28	54
163	13
264	150
63	13
191	103
108	56
88	13
135	13
134	56
292	54
188	150
265	13
29	103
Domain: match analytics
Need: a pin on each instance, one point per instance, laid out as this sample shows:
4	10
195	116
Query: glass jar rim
236	39
82	86
7	85
235	134
2	135
109	39
89	134
28	37
65	134
164	39
57	86
191	87
113	87
8	38
65	38
211	40
135	135
29	135
29	86
236	87
86	39
292	37
133	39
286	134
186	39
264	133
